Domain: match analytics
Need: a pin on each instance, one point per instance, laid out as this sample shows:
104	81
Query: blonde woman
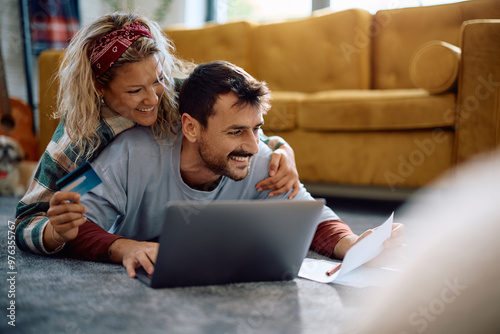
118	72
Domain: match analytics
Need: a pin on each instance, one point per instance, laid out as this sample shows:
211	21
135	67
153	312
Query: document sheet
352	272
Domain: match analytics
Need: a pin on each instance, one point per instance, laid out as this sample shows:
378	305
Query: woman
117	73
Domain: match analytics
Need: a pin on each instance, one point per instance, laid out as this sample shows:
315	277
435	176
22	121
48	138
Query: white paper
351	272
367	276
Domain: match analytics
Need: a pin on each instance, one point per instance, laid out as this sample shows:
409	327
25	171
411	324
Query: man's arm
96	244
92	242
332	239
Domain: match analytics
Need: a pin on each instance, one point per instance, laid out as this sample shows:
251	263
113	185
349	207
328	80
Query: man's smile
239	158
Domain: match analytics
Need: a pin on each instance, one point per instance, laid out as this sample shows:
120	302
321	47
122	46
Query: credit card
81	180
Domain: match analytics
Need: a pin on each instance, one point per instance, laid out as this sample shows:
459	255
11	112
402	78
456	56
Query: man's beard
220	164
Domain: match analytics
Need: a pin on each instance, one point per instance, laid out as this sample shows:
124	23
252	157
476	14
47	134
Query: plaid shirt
58	160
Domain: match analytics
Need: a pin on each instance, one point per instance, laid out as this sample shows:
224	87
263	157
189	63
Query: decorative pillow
434	66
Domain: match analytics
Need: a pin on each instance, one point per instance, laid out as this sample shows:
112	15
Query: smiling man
215	156
227	146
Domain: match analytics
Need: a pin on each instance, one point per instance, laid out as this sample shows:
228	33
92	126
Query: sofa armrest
478	100
48	63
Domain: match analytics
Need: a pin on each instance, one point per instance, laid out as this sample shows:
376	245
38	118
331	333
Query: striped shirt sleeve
59	159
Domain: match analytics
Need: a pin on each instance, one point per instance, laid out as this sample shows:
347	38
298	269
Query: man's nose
251	144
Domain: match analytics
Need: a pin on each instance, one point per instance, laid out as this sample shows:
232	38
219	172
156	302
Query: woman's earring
102	100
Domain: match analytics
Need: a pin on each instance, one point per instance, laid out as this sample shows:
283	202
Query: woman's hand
65	216
283	174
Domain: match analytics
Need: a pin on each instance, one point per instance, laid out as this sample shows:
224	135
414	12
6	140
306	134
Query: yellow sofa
391	100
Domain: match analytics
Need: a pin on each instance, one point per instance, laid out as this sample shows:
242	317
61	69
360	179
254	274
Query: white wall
12	48
186	12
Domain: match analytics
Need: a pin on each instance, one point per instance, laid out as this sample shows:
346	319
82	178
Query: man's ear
190	127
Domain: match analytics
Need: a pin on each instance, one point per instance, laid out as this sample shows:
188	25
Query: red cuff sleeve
92	242
327	235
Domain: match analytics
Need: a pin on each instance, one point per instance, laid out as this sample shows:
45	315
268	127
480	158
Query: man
215	156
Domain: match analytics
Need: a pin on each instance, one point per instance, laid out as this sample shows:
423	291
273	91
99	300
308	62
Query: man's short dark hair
200	90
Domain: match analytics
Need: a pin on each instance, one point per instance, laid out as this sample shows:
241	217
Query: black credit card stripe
73	175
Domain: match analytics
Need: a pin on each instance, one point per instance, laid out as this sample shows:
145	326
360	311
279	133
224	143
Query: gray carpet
61	295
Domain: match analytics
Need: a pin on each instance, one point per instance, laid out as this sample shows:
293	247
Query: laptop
220	242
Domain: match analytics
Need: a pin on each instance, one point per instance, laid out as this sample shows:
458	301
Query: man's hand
394	246
134	254
283	174
65	216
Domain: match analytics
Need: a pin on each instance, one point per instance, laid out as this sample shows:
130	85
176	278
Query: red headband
112	45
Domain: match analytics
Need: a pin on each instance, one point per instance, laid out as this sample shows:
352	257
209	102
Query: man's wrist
116	249
343	245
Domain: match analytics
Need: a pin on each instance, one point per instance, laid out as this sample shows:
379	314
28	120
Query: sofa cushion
283	113
397	33
353	110
48	64
313	54
230	42
434	66
390	159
